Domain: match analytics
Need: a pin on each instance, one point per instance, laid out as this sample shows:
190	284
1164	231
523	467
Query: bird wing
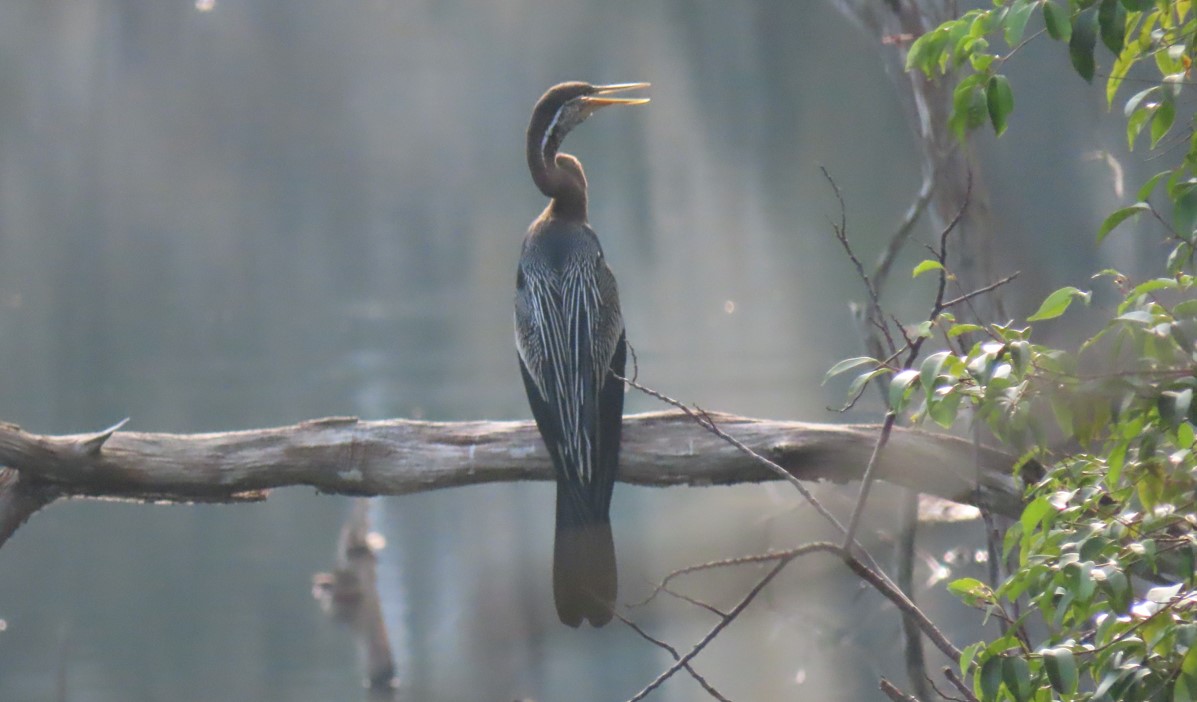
568	330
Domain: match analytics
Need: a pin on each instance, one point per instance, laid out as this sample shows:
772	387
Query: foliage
1101	600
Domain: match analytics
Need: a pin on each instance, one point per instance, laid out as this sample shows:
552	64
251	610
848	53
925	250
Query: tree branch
347	456
20	498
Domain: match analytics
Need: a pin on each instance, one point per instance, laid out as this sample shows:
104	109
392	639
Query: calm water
252	212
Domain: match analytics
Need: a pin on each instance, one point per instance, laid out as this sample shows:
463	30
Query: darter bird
570	338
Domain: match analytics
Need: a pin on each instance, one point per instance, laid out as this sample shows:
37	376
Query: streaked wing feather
566	348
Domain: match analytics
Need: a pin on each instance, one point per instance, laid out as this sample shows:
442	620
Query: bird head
567	105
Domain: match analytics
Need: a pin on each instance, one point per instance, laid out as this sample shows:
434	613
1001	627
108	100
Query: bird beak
602	95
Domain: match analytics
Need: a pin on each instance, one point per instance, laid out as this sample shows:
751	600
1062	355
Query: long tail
584	579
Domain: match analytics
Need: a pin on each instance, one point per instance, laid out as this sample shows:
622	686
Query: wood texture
346	456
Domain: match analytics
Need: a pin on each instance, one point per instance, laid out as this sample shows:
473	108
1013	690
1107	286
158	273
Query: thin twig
866	483
841	235
915	346
941	693
694	601
903	603
704	420
957	683
710	636
676	656
891	691
767	557
981	291
782	559
916	664
899	238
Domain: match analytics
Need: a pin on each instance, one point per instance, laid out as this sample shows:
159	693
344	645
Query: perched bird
570	338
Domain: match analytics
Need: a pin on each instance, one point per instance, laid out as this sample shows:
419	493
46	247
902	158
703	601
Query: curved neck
559	176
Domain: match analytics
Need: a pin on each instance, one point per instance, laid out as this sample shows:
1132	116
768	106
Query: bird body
571	345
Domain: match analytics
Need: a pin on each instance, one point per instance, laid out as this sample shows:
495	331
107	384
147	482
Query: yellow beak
602	95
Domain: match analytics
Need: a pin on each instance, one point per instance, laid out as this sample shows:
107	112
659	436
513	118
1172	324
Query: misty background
244	213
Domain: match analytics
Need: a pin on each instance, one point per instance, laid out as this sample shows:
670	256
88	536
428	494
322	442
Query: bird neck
560	177
569	204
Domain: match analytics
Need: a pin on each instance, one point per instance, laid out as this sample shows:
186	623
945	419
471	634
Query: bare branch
957	683
392	457
20	498
905	228
866	483
780	561
676	656
915	347
706	421
841	235
980	291
891	691
916	664
92	444
710	636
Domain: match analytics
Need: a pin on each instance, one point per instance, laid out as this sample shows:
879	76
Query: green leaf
1108	681
963	328
1017	676
1083	42
942	410
898	387
1034	513
848	364
1136	316
1111	17
1138	98
968	106
1174	406
859	381
1149	187
1000	101
981	62
1188	665
1123	62
1119	591
1188	308
1184	212
991	677
927	265
927	51
1078	579
1055	18
1182	692
1163	593
1152	285
1061	669
1016	21
929	371
967	654
1118	217
963	586
1162	121
1169	60
1056	303
1134	125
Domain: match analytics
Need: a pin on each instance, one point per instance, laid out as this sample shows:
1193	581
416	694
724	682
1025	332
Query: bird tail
584	579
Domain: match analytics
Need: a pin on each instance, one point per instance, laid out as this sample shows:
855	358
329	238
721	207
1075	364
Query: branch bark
344	455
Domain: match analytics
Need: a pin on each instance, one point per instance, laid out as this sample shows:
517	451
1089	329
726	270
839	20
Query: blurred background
228	214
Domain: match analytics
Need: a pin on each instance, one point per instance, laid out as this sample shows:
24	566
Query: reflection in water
274	210
349	594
